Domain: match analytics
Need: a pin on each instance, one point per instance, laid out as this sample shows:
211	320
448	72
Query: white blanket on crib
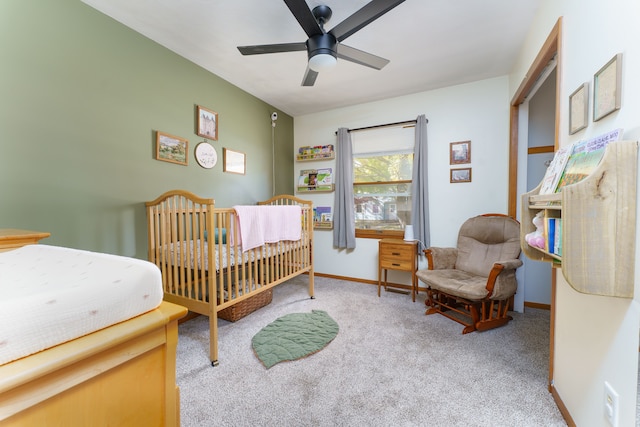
267	224
49	295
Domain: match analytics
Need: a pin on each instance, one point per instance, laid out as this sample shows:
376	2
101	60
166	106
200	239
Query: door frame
551	47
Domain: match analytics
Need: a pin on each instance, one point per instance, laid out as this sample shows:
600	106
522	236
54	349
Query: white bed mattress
50	295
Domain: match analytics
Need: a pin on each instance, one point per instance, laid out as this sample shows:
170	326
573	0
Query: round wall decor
206	155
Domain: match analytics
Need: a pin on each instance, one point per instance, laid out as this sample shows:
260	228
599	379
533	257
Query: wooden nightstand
396	254
12	238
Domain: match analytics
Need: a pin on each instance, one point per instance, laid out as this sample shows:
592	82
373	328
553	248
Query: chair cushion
456	282
483	240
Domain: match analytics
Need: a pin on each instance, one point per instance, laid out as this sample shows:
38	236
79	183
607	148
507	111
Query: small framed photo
460	175
233	161
207	123
607	88
459	152
579	109
170	148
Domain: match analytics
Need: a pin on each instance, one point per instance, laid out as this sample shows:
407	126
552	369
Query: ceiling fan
323	48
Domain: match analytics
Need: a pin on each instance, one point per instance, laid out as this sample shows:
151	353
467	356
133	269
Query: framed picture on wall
460	175
171	148
607	88
206	123
233	161
459	152
579	109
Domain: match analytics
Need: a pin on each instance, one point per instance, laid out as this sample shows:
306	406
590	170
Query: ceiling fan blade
272	48
304	16
367	14
309	77
359	57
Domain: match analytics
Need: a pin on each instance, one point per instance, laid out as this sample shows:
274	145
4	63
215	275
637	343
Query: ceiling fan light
322	62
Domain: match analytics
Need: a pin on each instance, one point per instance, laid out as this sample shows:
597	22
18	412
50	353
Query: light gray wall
477	111
596	338
81	97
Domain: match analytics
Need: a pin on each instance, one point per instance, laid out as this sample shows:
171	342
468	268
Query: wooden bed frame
121	375
187	236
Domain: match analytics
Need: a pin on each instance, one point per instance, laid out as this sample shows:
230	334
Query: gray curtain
344	226
419	185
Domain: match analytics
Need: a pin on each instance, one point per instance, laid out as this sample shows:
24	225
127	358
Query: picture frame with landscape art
459	152
206	123
460	175
607	88
579	109
233	161
171	148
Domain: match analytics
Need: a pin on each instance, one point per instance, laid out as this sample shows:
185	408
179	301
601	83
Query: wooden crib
189	239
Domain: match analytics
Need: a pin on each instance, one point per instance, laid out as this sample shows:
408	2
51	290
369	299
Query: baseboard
537	305
563	409
368	282
351	279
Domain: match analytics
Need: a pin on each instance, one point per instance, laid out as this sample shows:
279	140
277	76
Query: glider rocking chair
474	283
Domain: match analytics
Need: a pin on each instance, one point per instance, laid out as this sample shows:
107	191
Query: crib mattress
229	257
50	295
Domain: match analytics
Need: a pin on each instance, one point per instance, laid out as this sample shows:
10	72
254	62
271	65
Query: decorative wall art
460	175
233	161
579	109
607	88
207	123
206	155
459	152
170	148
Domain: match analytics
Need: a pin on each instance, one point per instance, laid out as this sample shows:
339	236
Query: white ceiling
430	43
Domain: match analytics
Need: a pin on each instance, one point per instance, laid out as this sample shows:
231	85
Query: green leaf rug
294	336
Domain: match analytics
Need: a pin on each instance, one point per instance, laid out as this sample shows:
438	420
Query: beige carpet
390	365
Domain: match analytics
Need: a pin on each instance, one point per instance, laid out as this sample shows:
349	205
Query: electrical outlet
611	402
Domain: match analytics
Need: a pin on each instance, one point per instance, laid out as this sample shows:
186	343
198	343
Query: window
382	167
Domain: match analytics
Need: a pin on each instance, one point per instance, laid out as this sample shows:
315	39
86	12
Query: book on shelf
316	179
585	157
555	169
322	214
318	152
553	235
550	229
557	242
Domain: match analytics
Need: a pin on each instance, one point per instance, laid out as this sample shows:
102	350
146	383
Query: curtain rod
384	125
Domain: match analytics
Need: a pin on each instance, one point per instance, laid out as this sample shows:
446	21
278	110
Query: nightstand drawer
397	264
391	251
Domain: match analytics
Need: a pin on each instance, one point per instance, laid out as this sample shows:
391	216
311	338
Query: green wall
81	97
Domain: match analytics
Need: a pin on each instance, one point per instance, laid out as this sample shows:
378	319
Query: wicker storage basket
245	307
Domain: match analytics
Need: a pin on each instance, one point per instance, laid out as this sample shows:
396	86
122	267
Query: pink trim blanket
267	224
